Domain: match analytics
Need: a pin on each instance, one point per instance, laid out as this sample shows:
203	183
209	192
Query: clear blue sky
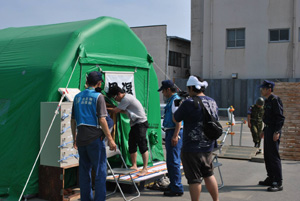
173	13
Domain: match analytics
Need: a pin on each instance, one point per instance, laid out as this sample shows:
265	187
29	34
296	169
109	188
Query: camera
183	95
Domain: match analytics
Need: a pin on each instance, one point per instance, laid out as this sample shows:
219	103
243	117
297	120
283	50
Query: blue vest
168	119
85	108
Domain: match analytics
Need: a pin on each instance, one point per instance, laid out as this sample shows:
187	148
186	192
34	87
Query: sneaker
266	182
172	193
275	187
164	189
258	152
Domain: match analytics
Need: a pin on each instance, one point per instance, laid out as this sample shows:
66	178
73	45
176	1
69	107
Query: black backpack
212	128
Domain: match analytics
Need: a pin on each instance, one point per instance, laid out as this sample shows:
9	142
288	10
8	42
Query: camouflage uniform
256	115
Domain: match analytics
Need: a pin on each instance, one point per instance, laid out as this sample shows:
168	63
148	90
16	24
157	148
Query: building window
236	38
174	59
186	61
279	35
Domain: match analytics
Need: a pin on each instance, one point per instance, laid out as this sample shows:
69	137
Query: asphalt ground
240	178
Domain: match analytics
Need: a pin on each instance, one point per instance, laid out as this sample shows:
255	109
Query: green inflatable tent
36	61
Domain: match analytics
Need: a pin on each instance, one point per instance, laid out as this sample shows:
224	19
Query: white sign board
70	94
125	80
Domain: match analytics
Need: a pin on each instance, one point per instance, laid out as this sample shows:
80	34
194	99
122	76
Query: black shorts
137	136
197	166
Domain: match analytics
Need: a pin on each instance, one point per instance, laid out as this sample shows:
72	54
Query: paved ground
240	179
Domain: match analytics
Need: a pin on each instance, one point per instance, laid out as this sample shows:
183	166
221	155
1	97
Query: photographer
173	139
196	152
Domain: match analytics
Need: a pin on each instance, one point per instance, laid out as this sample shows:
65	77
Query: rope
166	75
55	113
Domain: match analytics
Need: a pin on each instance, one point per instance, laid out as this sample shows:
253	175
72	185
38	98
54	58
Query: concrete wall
197	21
155	40
184	47
158	45
259	58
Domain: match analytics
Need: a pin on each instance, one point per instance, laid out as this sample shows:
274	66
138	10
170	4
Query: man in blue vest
89	127
173	139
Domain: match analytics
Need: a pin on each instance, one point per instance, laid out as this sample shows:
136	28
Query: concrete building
244	39
171	54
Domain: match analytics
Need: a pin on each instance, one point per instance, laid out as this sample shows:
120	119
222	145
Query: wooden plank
238	152
52	181
50	184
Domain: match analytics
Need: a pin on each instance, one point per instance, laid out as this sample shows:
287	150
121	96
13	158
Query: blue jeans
173	161
92	156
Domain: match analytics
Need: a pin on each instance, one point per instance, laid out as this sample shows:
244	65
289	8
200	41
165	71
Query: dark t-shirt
193	138
87	134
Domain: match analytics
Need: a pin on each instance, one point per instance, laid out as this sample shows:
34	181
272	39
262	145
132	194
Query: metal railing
231	122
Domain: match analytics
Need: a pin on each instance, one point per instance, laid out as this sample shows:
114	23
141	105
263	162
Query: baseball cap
94	77
166	84
267	84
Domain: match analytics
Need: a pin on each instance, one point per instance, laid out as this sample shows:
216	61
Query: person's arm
111	143
262	135
73	127
116	110
123	104
175	137
74	132
248	119
249	116
180	113
279	118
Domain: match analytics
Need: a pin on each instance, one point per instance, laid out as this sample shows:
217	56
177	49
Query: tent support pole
42	146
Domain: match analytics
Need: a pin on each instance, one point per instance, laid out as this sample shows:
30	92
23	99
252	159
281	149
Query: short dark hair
114	90
173	89
193	88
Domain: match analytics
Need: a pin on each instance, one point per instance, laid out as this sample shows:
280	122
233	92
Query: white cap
193	81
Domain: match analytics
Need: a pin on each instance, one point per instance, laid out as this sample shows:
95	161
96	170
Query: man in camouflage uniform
255	115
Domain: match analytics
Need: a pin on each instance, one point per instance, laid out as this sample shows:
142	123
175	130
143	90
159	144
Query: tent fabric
36	61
